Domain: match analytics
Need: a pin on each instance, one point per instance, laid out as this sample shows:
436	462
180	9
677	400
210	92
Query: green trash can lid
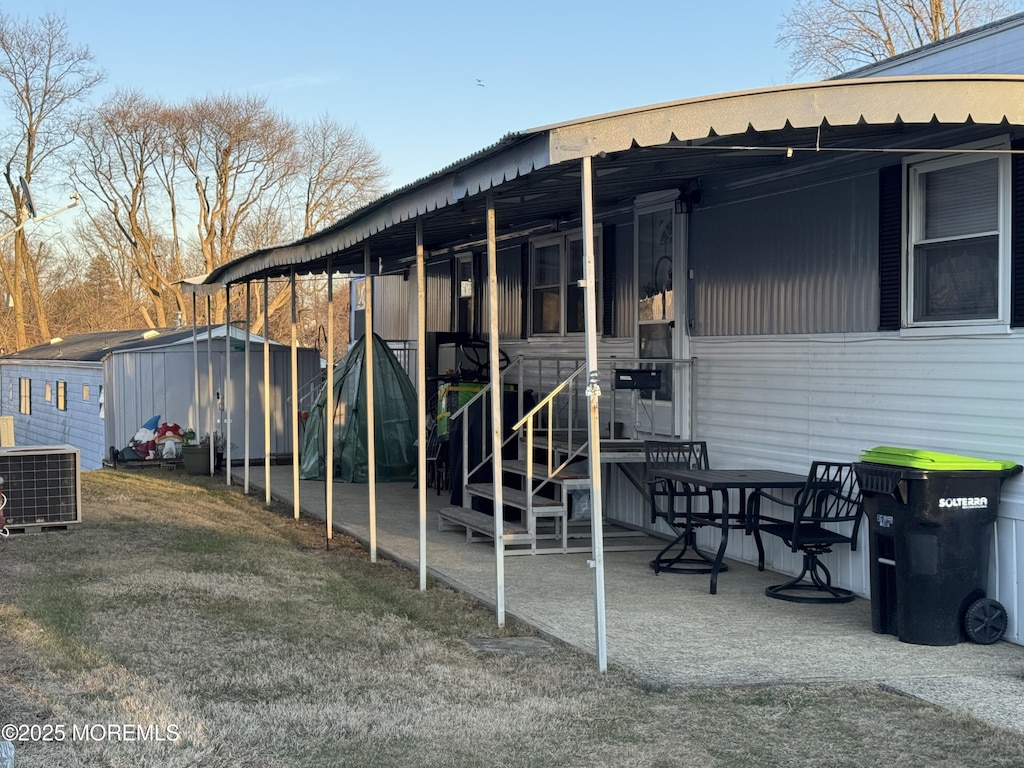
919	459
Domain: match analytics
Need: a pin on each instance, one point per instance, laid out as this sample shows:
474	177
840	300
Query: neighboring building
993	49
93	391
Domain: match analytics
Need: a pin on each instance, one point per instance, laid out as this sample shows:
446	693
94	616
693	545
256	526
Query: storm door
659	240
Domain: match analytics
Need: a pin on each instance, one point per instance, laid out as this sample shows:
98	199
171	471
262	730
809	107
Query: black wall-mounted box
637	378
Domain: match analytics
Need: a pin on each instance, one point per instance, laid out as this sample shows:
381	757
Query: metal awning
535	177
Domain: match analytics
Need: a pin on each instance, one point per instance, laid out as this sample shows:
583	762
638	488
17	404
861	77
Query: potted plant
196	456
219	447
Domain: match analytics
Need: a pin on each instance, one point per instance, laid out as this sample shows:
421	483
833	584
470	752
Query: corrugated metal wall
439	296
510	294
395	291
142	384
390	291
781	402
624	289
795	261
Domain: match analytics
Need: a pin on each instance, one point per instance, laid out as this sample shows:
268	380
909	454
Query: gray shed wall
145	383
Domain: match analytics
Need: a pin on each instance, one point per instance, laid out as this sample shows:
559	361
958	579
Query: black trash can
931	518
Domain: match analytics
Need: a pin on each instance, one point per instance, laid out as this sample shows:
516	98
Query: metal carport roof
535	179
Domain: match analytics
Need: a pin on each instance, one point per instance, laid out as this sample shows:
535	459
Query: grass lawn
183	624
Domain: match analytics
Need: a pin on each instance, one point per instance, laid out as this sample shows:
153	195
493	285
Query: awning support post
295	394
593	432
421	399
266	387
371	421
496	403
248	385
225	404
329	406
211	419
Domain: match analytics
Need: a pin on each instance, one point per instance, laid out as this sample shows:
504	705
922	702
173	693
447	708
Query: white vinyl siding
782	401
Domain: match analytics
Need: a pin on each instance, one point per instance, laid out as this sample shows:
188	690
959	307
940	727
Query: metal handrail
309	391
548	398
547	405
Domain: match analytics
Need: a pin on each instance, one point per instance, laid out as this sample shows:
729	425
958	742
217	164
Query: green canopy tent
395	420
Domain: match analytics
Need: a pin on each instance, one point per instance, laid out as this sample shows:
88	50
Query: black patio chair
826	514
678	507
438	474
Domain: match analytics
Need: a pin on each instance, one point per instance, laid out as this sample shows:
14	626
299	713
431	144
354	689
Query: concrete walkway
666	628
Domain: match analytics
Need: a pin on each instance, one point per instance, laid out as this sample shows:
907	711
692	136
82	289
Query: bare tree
341	172
45	78
177	191
128	165
338	172
236	152
828	37
88	283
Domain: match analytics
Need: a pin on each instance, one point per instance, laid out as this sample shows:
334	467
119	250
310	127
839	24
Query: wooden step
572	475
623	451
517	499
479	522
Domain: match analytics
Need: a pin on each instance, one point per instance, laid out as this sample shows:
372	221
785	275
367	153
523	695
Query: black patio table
723	480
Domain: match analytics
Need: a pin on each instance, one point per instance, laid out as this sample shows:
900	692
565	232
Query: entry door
660	233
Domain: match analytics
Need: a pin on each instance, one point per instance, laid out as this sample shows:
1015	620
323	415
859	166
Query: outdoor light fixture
690	194
30	209
29	206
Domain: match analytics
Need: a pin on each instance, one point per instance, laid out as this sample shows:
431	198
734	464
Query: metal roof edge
880	100
185	337
515	155
985	99
49	361
769	92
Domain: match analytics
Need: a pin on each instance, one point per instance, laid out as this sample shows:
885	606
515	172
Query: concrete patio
667	628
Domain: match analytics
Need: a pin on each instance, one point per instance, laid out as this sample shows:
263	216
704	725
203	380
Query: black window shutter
524	288
1017	236
890	246
608	280
480	289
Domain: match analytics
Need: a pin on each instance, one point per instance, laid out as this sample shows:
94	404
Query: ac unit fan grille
40	488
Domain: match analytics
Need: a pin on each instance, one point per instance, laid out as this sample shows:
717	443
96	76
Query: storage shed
95	390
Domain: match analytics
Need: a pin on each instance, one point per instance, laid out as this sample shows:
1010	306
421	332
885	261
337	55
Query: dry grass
183	605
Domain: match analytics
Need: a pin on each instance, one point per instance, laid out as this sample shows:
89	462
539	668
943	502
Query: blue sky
406	74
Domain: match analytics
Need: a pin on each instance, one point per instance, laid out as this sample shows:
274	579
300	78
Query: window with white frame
557	301
62	395
958	262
